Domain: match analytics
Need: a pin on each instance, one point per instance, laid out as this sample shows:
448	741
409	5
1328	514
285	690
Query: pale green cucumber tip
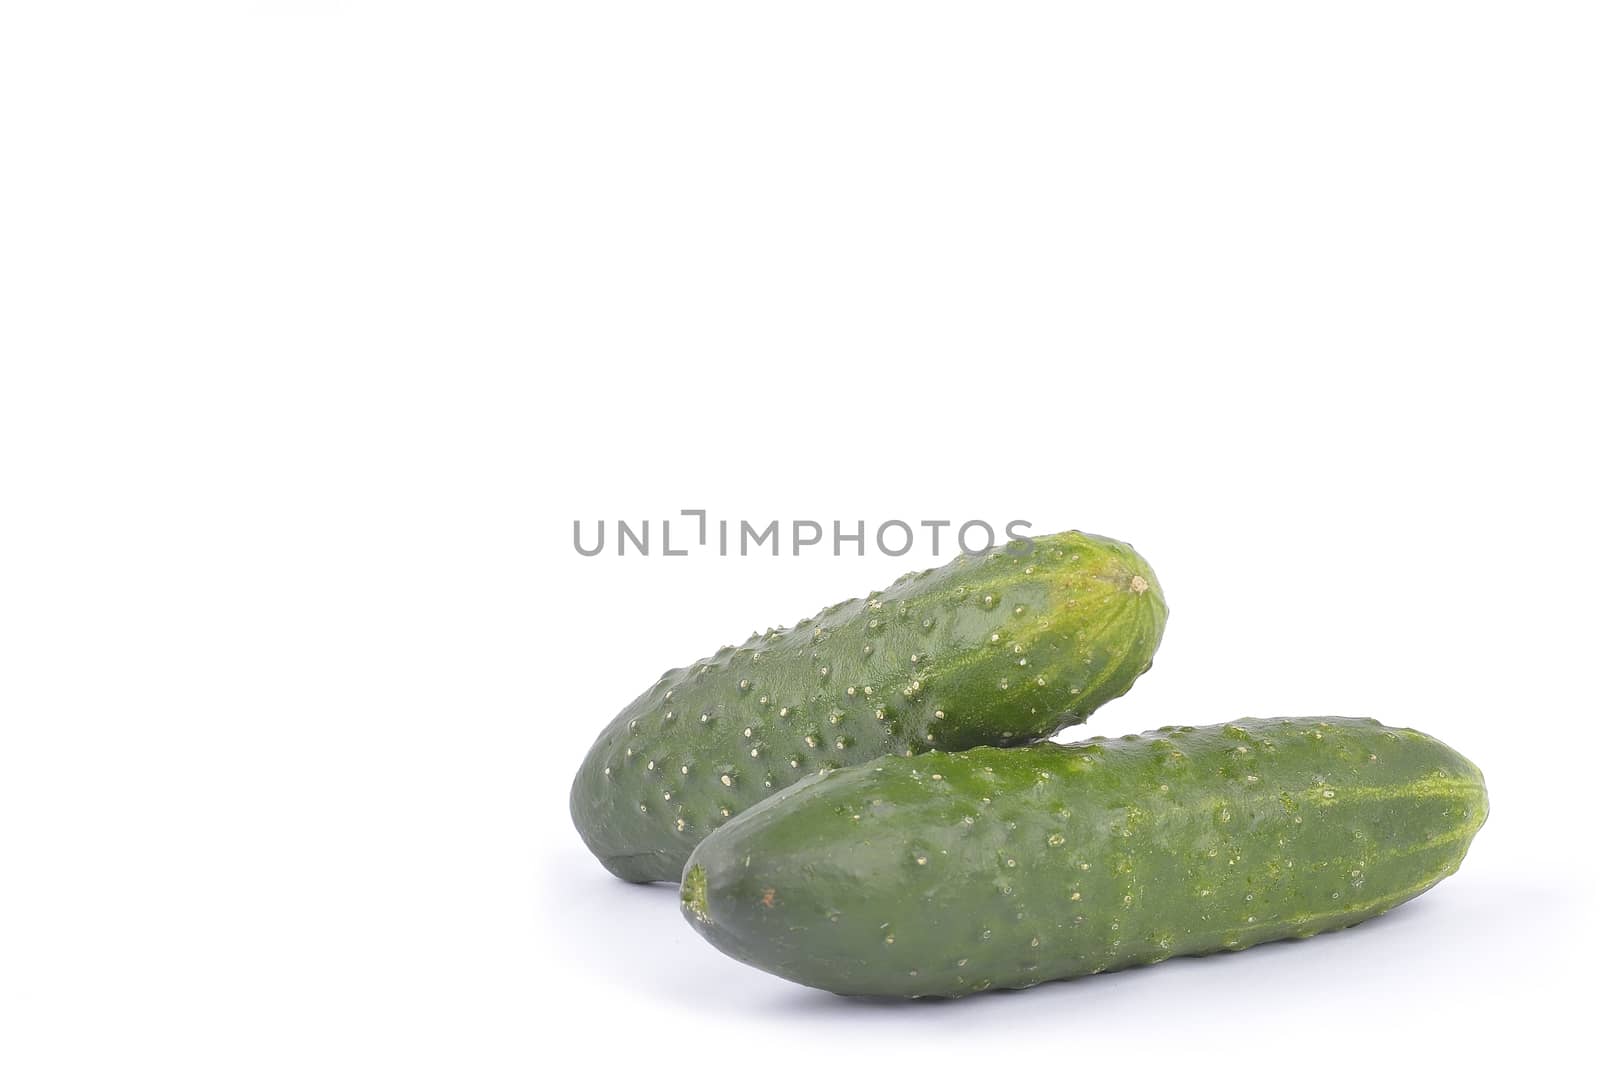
693	893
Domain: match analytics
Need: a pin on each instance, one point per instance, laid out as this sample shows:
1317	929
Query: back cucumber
946	874
999	649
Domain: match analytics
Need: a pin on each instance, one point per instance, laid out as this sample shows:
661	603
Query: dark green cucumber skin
950	873
1001	649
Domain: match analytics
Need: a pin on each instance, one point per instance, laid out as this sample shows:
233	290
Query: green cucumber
950	873
1001	649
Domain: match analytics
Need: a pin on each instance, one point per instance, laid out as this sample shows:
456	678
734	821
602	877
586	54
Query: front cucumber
950	873
998	649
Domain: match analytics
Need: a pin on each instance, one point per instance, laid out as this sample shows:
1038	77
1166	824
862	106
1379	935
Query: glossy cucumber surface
997	649
945	874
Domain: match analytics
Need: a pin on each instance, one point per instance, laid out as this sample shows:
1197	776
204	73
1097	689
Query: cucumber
1000	648
950	873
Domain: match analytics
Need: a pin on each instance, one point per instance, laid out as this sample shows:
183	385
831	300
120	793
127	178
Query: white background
322	322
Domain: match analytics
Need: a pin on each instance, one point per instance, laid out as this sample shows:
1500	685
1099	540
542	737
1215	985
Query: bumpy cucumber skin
950	873
999	649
